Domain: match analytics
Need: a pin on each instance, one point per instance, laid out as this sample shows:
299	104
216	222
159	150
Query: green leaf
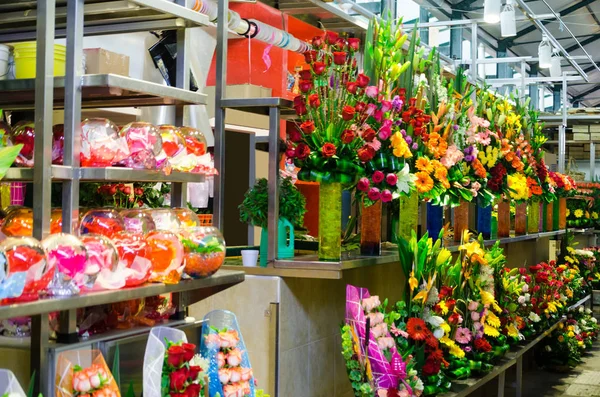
31	385
116	367
130	392
7	157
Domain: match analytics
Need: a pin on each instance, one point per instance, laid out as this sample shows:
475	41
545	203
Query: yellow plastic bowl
25	59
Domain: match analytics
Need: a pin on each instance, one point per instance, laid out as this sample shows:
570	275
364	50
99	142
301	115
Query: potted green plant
254	210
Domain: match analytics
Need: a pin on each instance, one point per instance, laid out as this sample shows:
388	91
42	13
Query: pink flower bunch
453	155
234	378
379	187
92	380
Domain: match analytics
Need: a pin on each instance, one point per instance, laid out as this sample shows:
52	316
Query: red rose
363	184
318	68
353	44
391	179
454	318
352	87
386	196
483	345
339	57
348	113
362	80
190	351
299	100
374	194
294	135
450	303
175	356
366	153
305	85
378	176
177	379
308	127
310	56
306	74
340	43
328	150
314	101
300	110
445	292
317	41
348	136
360	106
535	269
369	134
193	371
331	37
302	151
431	367
192	390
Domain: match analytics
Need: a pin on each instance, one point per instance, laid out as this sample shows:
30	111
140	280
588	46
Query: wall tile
321	369
294	372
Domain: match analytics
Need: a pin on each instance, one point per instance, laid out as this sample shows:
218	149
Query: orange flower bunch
479	169
534	187
428	168
437	145
510	156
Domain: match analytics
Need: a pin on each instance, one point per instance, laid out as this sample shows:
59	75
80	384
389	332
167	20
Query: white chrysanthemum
593	319
534	317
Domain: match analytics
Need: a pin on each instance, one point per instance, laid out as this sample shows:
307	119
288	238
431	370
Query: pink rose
391	179
371	303
224	375
363	184
386	106
379	330
371	91
378	115
234	358
386	196
376	318
385	133
378	177
374	194
371	109
385	343
473	305
475	316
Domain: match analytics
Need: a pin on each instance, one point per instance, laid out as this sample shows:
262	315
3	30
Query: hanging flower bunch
334	134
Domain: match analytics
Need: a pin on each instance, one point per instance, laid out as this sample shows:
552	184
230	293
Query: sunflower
424	183
417	329
423	164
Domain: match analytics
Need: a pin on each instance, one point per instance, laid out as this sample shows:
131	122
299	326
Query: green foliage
116	367
31	385
7	157
255	207
211	247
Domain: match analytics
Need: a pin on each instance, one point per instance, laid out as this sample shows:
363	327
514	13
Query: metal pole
42	382
273	220
251	179
44	96
474	45
220	93
592	161
562	130
74	71
523	85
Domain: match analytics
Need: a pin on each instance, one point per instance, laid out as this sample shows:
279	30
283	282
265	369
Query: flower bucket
562	213
461	219
370	229
435	220
533	217
520	219
25	60
548	216
4	57
409	215
330	221
503	218
484	221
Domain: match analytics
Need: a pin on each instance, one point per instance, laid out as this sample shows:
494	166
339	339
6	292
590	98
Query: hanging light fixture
346	6
555	67
545	52
508	23
491	11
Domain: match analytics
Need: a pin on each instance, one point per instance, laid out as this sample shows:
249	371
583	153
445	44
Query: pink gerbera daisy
463	336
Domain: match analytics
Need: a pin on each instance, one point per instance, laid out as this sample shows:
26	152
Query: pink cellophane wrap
383	375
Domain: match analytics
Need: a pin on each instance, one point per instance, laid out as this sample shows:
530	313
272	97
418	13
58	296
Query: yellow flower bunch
517	183
568	212
489	157
578	213
400	146
594	215
453	348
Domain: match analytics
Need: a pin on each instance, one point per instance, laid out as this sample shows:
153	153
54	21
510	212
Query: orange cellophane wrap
84	358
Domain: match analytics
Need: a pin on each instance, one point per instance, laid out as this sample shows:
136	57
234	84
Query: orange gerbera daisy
423	164
479	169
417	329
424	183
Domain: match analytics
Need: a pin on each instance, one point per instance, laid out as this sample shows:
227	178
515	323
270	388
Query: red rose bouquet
183	372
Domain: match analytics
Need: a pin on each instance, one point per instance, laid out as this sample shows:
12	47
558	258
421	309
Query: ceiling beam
566	11
583	43
586	93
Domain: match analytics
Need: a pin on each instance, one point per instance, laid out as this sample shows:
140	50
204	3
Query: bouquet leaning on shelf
84	373
9	385
172	367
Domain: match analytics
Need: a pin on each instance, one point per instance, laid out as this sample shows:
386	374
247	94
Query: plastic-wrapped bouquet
173	361
9	385
84	373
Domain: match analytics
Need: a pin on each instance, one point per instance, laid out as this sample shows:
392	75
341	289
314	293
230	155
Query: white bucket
4	57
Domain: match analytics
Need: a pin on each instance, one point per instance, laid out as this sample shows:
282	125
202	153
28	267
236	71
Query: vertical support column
474	45
178	189
67	327
523	84
592	160
556	98
251	179
534	92
44	97
424	17
502	69
562	130
456	38
72	145
220	93
519	391
501	378
273	220
43	382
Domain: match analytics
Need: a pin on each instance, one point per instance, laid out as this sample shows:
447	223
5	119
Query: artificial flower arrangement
84	373
172	367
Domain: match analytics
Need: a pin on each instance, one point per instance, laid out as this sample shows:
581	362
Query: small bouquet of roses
172	367
9	385
84	373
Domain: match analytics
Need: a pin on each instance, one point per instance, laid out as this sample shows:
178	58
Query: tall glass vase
409	215
484	221
562	213
520	219
549	221
503	218
533	217
461	219
435	220
370	229
330	221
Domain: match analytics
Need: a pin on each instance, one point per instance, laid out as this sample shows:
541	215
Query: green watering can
285	238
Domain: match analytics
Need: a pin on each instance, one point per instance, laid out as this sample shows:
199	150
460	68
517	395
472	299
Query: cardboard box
581	136
101	61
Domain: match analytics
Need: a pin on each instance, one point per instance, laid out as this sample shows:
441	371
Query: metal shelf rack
43	21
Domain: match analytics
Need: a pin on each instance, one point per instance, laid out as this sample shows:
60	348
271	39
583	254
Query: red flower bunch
498	176
417	119
122	195
417	329
182	374
482	345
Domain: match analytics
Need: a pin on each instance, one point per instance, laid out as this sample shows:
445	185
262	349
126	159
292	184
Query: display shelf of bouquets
219	281
467	386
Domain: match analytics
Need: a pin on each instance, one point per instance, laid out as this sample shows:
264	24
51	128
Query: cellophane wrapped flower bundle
9	385
172	367
84	373
230	372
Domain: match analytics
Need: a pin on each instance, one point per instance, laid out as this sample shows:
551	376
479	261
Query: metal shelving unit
43	21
